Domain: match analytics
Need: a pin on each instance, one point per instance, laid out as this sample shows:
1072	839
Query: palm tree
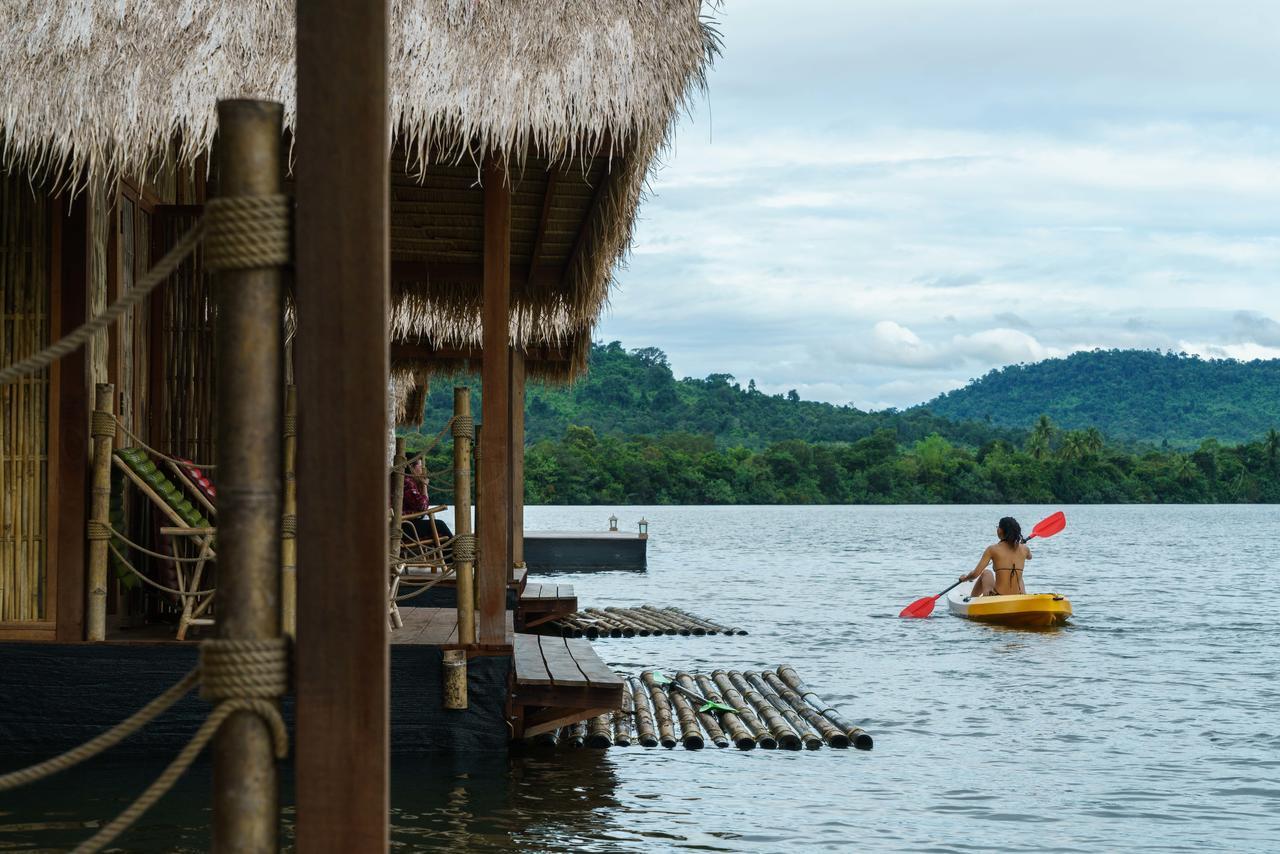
1093	441
1041	438
1271	445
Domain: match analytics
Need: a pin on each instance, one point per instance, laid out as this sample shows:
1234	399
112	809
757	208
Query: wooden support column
494	498
248	442
341	365
69	436
517	458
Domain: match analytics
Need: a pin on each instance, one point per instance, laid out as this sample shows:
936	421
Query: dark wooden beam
424	352
539	236
494	503
69	435
517	457
341	361
593	211
419	270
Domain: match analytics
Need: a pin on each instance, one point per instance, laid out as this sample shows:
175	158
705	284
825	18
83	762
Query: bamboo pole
463	563
642	627
578	734
763	736
661	710
599	731
289	535
708	720
787	738
250	420
861	738
744	737
710	625
622	717
656	626
395	528
618	626
680	623
830	733
103	430
645	731
810	738
690	731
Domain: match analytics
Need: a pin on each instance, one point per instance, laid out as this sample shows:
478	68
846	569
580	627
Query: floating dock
585	551
642	621
771	709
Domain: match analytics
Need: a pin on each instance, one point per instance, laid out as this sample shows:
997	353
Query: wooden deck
541	603
439	627
559	681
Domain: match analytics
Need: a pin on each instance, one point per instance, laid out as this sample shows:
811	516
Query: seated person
416	500
1010	555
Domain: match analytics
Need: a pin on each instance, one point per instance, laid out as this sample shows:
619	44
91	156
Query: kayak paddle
1046	527
706	705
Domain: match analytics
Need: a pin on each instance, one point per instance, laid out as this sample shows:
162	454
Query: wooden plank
530	667
560	664
591	665
548	719
70	443
494	510
341	365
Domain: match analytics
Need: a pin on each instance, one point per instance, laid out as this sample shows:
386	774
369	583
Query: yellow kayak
1024	611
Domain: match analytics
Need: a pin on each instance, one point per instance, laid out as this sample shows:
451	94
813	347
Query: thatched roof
584	88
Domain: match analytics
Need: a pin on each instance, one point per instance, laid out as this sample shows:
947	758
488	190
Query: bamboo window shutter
24	328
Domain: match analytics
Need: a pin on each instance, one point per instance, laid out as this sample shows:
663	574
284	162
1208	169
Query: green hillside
1129	395
634	393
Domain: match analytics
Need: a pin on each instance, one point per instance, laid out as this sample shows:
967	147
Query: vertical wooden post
249	360
463	563
396	527
517	458
69	442
289	519
103	430
341	364
495	400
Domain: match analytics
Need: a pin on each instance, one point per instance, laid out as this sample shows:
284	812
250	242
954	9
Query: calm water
1151	723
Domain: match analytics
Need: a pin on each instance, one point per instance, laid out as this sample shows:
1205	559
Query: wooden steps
542	603
559	681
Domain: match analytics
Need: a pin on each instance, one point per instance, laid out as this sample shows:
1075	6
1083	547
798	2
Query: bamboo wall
24	405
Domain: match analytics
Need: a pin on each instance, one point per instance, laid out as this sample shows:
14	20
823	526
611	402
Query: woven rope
243	676
101	531
192	594
464	427
464	548
75	339
291	425
185	464
247	232
430	446
102	424
288	525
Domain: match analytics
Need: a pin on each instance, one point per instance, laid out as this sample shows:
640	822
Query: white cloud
890	203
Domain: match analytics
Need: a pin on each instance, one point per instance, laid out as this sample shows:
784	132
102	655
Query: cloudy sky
878	200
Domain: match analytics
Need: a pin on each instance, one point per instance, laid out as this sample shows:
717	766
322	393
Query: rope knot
99	530
464	427
102	424
464	548
242	669
247	232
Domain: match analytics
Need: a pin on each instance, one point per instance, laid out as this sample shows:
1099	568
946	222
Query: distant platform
585	551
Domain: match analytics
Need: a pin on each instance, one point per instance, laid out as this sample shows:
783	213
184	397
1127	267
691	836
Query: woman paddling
1009	556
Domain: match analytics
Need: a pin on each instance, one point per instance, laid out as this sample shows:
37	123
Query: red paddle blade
1049	525
920	607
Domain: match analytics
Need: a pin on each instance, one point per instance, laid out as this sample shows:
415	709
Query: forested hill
1129	395
634	393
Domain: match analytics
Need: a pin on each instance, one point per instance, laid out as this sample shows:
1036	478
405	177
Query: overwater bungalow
519	146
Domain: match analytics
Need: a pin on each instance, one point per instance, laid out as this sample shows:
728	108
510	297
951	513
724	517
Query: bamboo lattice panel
24	405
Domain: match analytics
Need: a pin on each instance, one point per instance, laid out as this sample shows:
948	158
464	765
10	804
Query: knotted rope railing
234	675
77	338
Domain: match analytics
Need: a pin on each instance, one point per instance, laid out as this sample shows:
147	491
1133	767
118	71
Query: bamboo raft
644	621
747	709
